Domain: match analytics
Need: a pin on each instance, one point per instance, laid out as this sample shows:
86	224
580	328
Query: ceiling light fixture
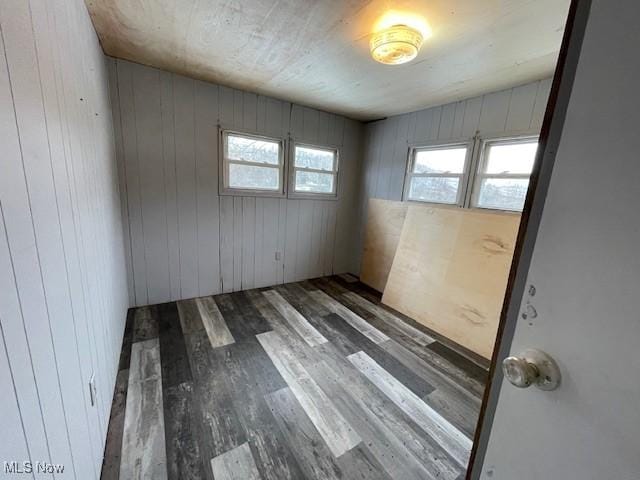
396	45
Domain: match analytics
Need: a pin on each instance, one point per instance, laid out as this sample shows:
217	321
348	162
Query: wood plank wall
513	111
184	240
63	295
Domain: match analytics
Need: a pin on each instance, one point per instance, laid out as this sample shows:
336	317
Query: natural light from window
315	170
252	163
436	174
503	176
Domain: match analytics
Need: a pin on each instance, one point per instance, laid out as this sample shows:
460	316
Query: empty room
319	239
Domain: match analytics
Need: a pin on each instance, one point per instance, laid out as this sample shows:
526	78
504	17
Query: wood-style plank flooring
309	380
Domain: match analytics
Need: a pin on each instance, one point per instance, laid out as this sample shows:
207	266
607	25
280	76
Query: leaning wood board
450	272
382	234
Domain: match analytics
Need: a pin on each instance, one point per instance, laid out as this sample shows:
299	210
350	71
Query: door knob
532	367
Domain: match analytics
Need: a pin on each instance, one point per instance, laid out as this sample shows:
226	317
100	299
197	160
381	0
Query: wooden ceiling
316	52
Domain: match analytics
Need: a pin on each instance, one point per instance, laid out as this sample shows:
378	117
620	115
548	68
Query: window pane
503	193
316	158
314	182
252	150
442	160
513	158
434	189
252	177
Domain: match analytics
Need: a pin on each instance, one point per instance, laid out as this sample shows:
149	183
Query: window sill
234	192
313	196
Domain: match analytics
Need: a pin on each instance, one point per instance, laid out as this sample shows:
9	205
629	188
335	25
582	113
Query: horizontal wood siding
184	239
63	280
518	110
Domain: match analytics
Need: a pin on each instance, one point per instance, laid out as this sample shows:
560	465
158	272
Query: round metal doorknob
532	367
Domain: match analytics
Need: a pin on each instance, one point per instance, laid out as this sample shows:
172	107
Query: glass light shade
396	45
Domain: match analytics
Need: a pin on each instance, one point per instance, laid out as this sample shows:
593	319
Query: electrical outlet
278	256
92	389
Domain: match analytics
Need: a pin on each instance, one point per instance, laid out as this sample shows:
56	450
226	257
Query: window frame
478	171
292	193
224	163
464	176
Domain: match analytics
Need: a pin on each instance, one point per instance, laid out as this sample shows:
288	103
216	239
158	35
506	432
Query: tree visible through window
436	174
252	163
503	174
315	170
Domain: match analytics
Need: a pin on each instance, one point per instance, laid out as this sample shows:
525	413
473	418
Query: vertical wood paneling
291	240
269	239
458	119
66	316
495	108
250	111
316	241
88	276
148	130
521	107
387	157
36	244
472	111
130	152
310	121
399	160
170	183
225	114
248	236
206	145
15	337
282	236
304	238
544	87
296	122
238	109
184	113
237	243
275	123
10	420
260	242
447	117
216	243
226	243
435	123
122	174
63	280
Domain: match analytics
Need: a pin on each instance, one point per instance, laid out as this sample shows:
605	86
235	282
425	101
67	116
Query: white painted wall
183	239
63	295
514	111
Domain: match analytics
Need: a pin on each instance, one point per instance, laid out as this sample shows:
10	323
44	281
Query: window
503	174
252	164
315	171
436	174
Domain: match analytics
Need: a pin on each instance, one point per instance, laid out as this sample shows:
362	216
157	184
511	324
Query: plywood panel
382	234
514	111
450	272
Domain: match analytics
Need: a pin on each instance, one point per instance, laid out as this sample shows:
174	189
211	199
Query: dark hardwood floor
309	380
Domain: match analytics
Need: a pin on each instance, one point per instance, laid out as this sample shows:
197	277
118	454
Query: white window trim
464	176
478	174
293	169
250	192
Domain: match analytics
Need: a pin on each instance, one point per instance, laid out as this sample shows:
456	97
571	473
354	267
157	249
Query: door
584	307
